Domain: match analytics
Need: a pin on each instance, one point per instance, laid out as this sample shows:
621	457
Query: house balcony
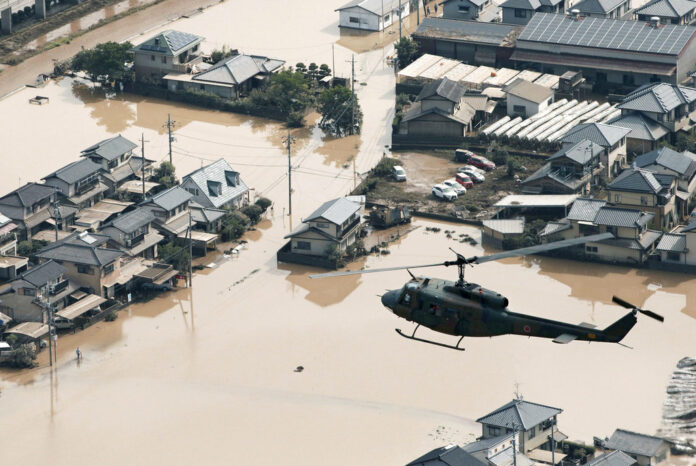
58	287
186	66
82	188
136	240
349	227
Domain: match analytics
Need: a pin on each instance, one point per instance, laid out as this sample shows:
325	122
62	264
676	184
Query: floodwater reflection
322	292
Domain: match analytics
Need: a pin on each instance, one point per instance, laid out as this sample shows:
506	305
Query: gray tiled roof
464	114
336	211
522	4
170	198
529	91
641	127
613	458
169	42
690	227
599	133
615	34
582	152
672	242
131	221
373	6
204	215
519	413
75	171
43	273
451	455
638	180
667	8
471	31
230	182
445	88
598	6
670	159
658	97
485	444
238	69
109	149
585	210
75	249
555	227
633	443
618	217
27	195
504	458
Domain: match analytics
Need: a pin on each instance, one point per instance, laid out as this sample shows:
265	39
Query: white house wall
371	21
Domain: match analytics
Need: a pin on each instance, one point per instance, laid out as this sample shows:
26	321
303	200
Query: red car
475	160
464	180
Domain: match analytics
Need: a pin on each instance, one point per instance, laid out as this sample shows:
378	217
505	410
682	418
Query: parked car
444	192
475	175
464	180
456	187
475	160
399	173
469	167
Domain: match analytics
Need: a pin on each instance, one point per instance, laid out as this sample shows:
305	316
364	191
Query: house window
108	269
304	245
354	19
322	225
386	18
493	431
164	60
84	269
463	9
532	432
617	198
519	109
643	200
591	249
520	13
629	79
673	256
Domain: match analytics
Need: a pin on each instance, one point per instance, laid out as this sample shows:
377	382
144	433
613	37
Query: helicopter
466	309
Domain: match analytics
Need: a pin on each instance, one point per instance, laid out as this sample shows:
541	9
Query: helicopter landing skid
413	337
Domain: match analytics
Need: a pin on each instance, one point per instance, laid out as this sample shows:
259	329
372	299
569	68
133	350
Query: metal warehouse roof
667	8
615	34
633	443
467	31
672	242
537	200
505	226
658	98
519	413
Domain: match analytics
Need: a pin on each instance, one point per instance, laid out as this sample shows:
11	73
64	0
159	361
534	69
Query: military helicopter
466	309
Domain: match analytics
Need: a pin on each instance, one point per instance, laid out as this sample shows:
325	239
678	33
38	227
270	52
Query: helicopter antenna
412	276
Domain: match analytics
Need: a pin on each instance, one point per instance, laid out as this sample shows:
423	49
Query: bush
295	119
384	167
512	166
233	228
253	212
175	255
335	256
28	248
264	203
23	357
110	317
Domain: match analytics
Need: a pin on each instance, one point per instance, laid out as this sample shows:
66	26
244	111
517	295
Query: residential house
334	224
613	458
647	191
8	236
22	308
475	10
230	78
450	455
167	52
680	165
667	104
573	169
498	451
206	218
118	164
610	53
611	138
612	9
372	15
534	422
88	262
133	234
526	99
521	11
646	134
500	233
171	211
439	111
679	247
668	11
216	186
79	183
647	450
92	218
30	207
12	266
633	242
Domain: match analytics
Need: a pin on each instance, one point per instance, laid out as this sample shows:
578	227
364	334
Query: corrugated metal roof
228	182
445	88
641	127
658	98
670	159
335	211
599	133
614	458
638	180
672	242
506	226
634	36
634	443
618	217
667	8
581	152
466	31
519	413
75	171
598	6
529	91
109	149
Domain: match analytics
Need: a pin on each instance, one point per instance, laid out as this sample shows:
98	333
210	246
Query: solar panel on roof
153	48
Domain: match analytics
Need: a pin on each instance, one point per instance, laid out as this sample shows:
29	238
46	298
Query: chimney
655	21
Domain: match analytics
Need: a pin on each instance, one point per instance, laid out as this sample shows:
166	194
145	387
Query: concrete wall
365	20
226	92
435	125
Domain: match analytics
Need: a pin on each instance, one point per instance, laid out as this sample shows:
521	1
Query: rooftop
666	8
335	211
81	248
599	133
618	217
634	443
529	91
678	162
75	171
613	458
238	69
27	195
598	6
109	149
672	242
445	88
373	6
614	34
218	182
641	127
585	210
485	444
505	226
636	180
468	31
131	221
170	198
169	42
519	413
450	455
658	98
537	200
582	152
43	273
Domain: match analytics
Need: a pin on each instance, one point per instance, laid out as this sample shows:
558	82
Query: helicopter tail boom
618	330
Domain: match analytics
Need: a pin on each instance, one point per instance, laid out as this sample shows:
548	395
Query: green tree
24	356
406	51
106	62
165	174
324	71
336	114
264	203
175	255
301	68
288	91
254	213
218	55
28	248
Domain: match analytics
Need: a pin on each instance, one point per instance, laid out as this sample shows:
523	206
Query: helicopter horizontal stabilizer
587	325
564	338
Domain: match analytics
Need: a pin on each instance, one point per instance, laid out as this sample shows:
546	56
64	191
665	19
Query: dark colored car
478	161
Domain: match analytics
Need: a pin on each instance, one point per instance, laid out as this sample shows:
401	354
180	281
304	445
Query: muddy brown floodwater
206	375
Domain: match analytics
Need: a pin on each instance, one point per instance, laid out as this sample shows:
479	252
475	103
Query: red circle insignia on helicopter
527	328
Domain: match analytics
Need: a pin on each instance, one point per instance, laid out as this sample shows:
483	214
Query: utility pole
352	92
56	211
399	19
190	270
289	140
418	12
142	165
170	126
51	331
514	444
333	65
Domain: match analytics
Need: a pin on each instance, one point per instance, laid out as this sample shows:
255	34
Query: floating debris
299	368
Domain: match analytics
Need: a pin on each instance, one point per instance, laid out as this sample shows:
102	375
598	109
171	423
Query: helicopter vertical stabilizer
616	331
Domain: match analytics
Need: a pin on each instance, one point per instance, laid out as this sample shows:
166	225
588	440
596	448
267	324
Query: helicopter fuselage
473	311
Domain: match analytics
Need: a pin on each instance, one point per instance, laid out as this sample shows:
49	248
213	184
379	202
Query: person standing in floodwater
78	353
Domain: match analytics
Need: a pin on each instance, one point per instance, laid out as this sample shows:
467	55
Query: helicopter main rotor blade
623	303
541	248
646	312
385	269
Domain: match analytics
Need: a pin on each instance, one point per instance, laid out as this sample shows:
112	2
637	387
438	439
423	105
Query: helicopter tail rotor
646	312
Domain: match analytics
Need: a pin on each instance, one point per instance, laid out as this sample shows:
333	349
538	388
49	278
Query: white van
399	173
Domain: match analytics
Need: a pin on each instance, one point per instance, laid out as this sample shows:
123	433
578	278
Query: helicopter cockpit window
411	286
406	299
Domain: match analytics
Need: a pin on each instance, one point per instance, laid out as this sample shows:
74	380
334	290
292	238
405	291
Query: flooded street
206	375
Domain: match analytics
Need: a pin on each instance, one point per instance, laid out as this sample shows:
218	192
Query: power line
225	143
